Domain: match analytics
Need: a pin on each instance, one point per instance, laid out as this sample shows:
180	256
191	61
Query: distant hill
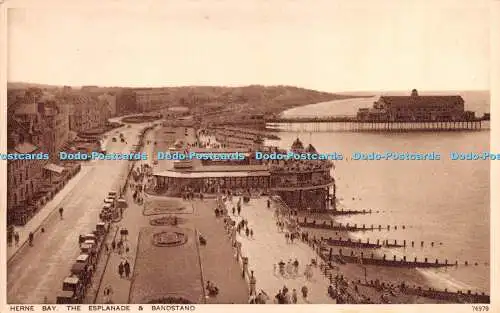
20	85
248	99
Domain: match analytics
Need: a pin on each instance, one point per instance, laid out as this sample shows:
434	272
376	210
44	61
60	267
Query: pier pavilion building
417	108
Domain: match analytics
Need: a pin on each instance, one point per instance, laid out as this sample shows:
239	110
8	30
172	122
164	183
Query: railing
353	118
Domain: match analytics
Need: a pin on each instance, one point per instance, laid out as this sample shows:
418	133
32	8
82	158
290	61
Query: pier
354	124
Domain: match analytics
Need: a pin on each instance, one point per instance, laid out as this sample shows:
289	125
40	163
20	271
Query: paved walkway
269	246
133	221
218	257
43	214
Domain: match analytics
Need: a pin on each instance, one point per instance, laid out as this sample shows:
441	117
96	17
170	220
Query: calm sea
446	202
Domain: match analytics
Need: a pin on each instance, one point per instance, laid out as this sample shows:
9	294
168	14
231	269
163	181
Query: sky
329	45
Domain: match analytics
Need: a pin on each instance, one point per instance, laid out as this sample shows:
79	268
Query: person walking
305	291
121	269
113	245
61	210
296	267
239	209
16	239
253	283
127	269
251	233
30	239
294	296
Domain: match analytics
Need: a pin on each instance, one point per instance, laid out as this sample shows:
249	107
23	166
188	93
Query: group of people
260	298
212	289
15	236
289	269
243	224
124	269
121	247
285	297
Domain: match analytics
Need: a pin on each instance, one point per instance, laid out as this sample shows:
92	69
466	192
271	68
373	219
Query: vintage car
109	200
86	248
83	272
90	236
83	258
72	291
101	228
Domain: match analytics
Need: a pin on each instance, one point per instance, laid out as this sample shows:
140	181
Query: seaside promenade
217	260
268	247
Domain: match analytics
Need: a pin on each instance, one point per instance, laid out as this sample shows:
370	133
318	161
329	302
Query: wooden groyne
444	295
329	256
349	212
366	245
347	227
403	288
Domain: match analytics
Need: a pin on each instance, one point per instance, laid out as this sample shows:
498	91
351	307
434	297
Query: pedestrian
304	290
253	282
234	210
16	238
127	269
106	247
251	233
113	245
239	209
296	266
287	237
121	269
61	210
30	238
247	231
294	296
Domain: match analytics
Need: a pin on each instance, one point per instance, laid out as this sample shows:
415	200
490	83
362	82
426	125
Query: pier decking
352	123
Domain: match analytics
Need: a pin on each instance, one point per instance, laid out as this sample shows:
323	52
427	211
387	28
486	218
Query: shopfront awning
54	168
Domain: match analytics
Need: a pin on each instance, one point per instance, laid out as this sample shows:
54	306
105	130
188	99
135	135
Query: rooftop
417	100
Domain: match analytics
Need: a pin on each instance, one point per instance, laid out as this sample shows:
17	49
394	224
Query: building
126	102
38	124
300	184
152	99
109	102
416	108
24	177
55	119
303	184
86	112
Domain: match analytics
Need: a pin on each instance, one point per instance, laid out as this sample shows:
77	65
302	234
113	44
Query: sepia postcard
213	155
